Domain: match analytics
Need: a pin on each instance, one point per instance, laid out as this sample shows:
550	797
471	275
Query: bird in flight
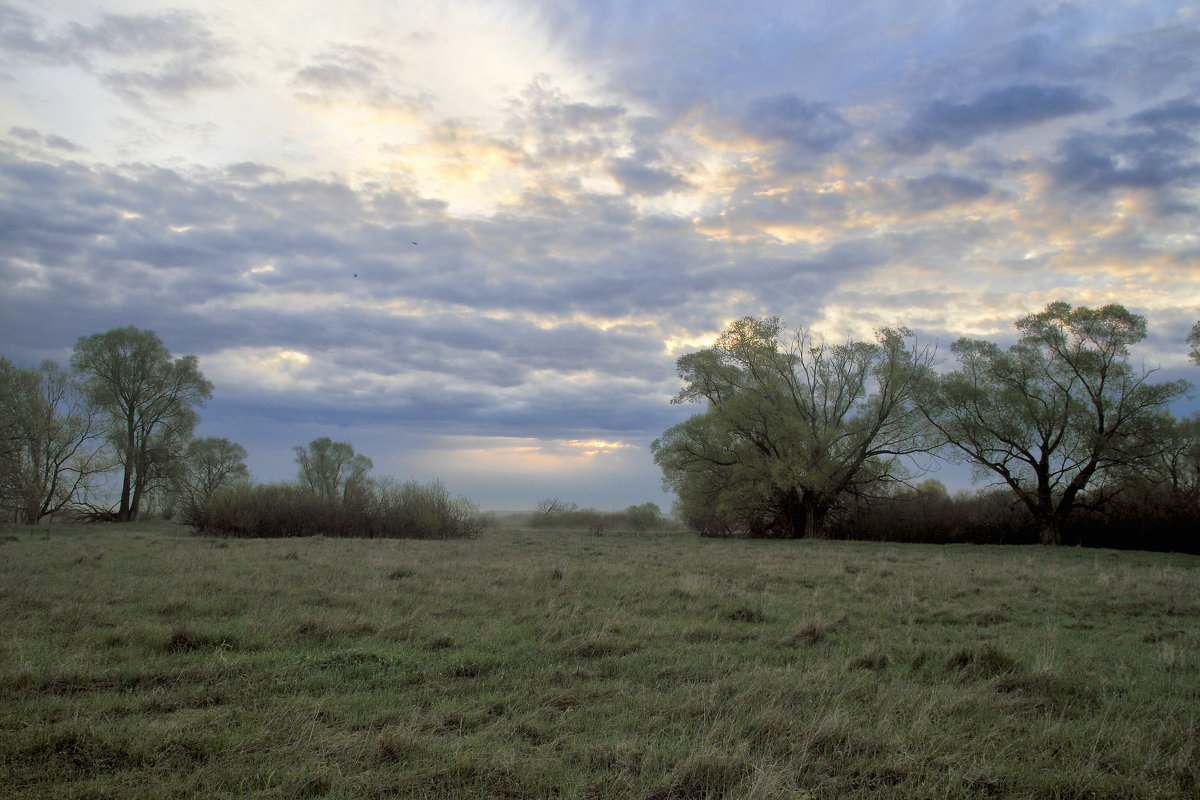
414	242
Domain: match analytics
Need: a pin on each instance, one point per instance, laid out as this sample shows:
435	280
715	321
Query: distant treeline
555	514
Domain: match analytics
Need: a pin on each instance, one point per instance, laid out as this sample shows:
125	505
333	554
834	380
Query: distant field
144	662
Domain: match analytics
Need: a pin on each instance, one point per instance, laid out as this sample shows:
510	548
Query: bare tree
50	441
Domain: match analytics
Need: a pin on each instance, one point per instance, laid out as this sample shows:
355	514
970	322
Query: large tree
150	399
50	441
1055	411
1193	341
791	425
332	470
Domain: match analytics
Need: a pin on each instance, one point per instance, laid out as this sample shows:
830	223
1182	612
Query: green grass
142	661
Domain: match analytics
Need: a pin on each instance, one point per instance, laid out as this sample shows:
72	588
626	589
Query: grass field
143	661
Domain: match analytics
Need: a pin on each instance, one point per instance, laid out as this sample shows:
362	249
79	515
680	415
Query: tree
1172	466
791	426
1193	340
332	470
150	400
210	464
1054	411
49	441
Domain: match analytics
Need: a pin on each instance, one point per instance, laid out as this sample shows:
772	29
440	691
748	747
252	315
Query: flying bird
414	242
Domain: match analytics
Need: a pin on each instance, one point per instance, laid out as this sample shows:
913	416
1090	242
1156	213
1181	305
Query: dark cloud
811	127
186	254
957	124
639	178
1178	114
1151	150
933	192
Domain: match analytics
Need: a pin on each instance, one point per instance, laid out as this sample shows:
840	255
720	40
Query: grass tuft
986	661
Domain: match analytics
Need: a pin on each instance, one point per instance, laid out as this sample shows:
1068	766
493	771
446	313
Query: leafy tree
210	464
332	470
49	441
1173	464
791	426
644	517
1194	341
1056	410
149	399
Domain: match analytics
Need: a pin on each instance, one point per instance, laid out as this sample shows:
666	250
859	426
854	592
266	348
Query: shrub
381	510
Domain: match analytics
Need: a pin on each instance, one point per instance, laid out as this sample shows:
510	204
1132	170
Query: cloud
184	55
1181	114
38	140
958	124
807	126
358	73
939	190
637	177
1150	150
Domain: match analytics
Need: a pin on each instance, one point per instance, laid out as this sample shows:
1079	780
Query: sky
471	238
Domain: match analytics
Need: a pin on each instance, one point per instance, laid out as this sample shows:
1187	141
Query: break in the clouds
472	238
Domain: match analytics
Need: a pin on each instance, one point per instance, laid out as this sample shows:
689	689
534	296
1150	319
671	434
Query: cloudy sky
471	238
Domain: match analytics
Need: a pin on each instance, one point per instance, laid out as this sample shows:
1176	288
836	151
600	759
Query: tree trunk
812	519
1050	532
123	510
793	515
127	478
806	516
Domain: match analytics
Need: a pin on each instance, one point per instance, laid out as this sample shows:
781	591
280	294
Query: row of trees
119	424
796	431
334	495
126	408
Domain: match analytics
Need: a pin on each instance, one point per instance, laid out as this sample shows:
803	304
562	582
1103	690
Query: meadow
142	661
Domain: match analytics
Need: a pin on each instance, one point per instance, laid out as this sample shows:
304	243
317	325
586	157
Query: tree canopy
149	399
332	470
1058	408
791	425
